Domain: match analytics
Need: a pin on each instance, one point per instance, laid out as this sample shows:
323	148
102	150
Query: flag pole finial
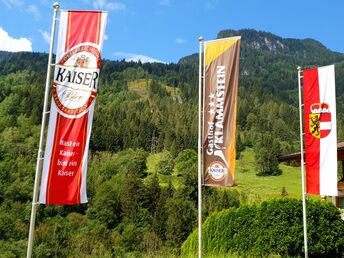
56	5
299	68
200	39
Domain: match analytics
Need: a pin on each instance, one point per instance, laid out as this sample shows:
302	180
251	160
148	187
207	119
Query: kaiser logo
320	120
217	171
76	80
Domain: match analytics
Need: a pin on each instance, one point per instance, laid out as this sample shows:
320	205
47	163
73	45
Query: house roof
297	155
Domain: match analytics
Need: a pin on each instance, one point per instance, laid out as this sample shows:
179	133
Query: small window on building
340	202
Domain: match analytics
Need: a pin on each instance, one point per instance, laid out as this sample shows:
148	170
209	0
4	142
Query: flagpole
40	155
199	150
302	166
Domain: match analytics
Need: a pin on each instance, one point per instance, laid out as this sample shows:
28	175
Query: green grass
141	88
259	188
254	188
152	162
224	256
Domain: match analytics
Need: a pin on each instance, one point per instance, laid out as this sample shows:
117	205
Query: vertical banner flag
74	90
320	130
221	59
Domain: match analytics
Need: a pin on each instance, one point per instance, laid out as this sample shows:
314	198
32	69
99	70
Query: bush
185	160
165	164
267	151
272	228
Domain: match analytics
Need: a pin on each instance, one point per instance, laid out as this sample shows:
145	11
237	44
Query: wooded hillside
141	204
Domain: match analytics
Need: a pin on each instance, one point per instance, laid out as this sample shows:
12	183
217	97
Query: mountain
269	63
260	43
266	41
140	109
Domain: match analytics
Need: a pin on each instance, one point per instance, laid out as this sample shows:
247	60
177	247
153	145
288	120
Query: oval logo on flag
320	120
217	171
76	80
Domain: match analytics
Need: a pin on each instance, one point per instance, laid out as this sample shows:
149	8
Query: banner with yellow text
221	60
74	89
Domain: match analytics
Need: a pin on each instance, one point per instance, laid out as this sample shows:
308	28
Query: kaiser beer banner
221	59
74	90
320	130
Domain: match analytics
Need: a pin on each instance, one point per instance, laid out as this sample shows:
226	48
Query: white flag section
320	130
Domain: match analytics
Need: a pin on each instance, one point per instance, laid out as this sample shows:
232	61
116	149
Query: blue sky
166	30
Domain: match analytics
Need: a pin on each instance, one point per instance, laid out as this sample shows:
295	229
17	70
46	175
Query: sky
167	30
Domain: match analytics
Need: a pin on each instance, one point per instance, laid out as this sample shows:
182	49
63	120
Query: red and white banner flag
78	59
320	130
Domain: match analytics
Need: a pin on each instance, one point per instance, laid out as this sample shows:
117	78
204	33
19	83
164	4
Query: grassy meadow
140	87
260	188
253	188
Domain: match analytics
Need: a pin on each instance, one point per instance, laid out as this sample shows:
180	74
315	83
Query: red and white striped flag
320	130
78	60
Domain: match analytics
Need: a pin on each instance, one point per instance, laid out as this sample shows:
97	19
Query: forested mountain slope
140	108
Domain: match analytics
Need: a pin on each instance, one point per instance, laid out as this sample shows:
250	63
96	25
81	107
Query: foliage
165	164
185	160
134	211
266	156
273	228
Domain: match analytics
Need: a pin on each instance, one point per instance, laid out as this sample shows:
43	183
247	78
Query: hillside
305	51
142	176
270	62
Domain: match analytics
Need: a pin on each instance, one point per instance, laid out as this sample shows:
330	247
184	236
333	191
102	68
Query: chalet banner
320	130
221	64
74	89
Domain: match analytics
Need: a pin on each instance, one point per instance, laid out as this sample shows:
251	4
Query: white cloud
211	4
7	43
165	2
180	41
136	58
20	5
115	6
46	3
45	35
104	4
13	3
32	9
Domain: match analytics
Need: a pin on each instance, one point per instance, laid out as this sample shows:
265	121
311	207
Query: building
296	158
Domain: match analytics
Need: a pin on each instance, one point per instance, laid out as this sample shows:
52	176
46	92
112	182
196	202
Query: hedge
274	227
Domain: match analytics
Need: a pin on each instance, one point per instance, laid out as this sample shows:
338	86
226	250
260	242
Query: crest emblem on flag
320	120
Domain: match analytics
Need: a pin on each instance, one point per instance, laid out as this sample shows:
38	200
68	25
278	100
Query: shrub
165	164
273	228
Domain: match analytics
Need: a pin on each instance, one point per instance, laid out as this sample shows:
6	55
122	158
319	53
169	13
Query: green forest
142	167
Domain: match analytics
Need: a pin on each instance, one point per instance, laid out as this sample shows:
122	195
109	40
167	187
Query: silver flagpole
302	166
199	150
40	155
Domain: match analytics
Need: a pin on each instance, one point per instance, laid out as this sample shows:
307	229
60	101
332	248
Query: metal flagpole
302	167
41	139
199	150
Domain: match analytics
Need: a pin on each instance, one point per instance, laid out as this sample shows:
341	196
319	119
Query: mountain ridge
259	42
